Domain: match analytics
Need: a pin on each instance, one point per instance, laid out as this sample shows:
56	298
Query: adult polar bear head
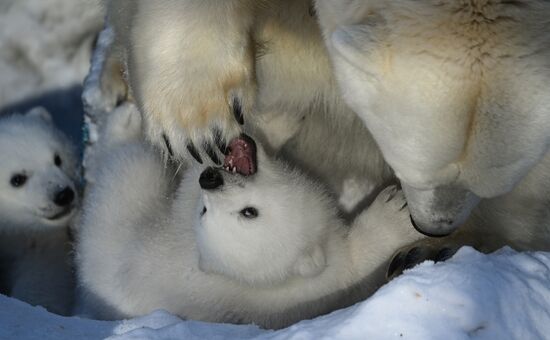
454	92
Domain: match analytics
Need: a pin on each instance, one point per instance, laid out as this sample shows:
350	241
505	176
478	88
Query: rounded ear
40	113
311	263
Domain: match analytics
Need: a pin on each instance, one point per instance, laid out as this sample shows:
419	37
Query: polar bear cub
251	242
38	200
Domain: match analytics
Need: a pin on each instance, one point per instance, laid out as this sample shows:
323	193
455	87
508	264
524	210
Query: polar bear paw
410	256
390	209
201	125
195	107
122	125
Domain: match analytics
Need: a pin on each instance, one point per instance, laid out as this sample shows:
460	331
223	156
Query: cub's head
38	173
261	222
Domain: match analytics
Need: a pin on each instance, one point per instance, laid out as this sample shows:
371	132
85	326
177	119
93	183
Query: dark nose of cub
64	197
211	179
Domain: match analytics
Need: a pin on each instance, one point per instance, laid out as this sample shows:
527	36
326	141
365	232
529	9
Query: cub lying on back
254	242
38	200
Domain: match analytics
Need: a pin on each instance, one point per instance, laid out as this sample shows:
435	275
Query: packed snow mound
46	45
505	295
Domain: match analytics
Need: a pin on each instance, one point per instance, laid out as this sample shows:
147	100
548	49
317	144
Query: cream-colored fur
453	91
287	94
191	93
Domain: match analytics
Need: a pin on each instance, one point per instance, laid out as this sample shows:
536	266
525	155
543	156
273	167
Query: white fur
453	92
442	86
172	104
144	245
121	125
33	246
295	109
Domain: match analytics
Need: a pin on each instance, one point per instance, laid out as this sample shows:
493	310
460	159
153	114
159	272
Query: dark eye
249	212
18	180
203	211
57	160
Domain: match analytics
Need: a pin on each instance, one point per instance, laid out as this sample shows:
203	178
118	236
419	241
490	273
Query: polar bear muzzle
440	211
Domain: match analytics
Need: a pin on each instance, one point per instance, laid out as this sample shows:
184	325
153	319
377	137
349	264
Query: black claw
193	151
238	111
444	254
413	257
403	206
209	149
168	145
396	263
391	195
218	139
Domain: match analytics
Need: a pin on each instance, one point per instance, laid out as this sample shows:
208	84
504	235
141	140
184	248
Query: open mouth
61	214
241	156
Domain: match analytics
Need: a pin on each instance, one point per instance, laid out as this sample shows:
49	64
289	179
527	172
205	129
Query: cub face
264	227
38	173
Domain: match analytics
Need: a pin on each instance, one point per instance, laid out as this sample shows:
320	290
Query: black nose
438	233
211	179
64	197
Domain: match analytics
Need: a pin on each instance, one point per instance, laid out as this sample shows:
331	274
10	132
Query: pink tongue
241	156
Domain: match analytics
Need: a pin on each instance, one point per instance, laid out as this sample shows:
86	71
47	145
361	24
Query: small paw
409	257
277	127
122	125
353	191
390	205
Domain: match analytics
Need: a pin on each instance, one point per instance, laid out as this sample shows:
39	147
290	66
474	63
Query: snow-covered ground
505	295
45	49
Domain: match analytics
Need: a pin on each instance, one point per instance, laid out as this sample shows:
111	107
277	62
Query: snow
504	295
45	53
46	44
97	104
19	320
